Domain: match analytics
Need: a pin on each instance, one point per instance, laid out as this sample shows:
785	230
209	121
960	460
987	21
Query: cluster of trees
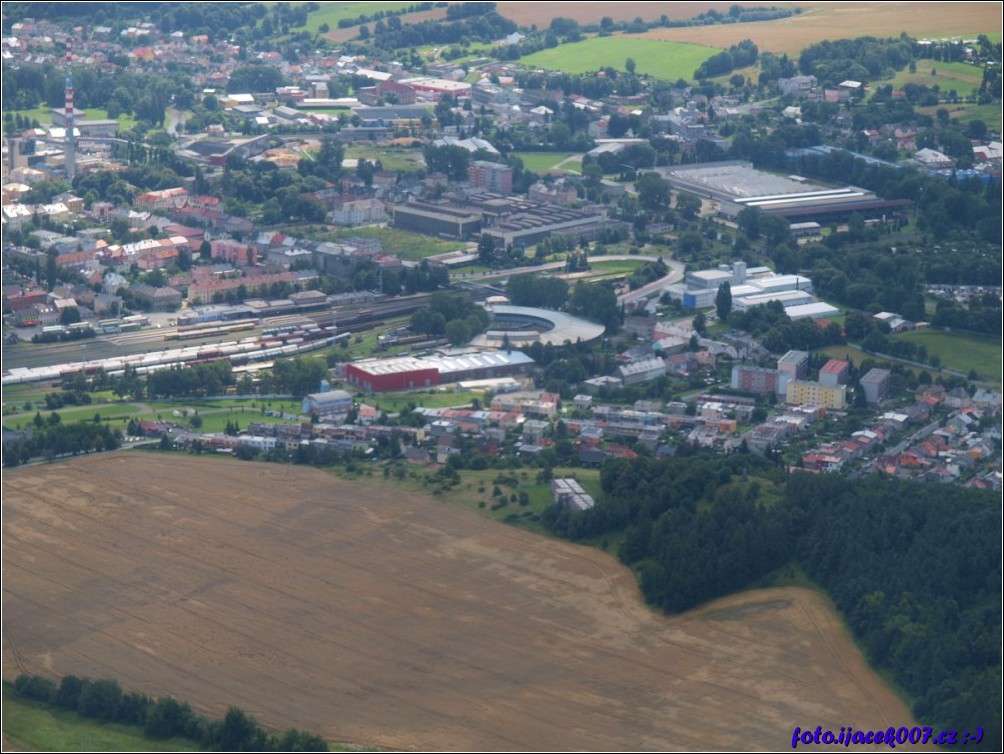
981	314
451	160
531	289
597	302
280	193
870	278
298	377
74	397
885	279
487	26
196	380
915	569
52	438
364	18
452	315
61	337
255	78
737	56
778	333
647	273
103	699
145	95
861	59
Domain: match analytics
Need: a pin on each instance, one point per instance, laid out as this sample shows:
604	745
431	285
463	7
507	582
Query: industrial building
326	405
753	286
437	219
642	371
737	185
409	372
524	325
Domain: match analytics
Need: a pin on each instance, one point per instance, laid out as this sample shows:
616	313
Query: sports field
376	616
820	21
543	162
663	60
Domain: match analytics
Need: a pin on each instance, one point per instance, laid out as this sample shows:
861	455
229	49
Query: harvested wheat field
822	21
378	617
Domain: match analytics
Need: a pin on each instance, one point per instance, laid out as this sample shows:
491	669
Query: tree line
915	569
103	699
51	438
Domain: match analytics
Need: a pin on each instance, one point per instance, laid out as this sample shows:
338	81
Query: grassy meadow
668	61
32	726
396	159
960	352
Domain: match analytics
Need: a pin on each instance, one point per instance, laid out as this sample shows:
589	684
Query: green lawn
118	412
394	402
332	13
960	352
614	265
668	61
396	159
474	491
541	162
32	726
409	246
44	116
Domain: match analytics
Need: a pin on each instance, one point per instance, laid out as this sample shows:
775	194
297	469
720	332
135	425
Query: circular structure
525	325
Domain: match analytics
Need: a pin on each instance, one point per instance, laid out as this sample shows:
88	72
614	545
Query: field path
374	616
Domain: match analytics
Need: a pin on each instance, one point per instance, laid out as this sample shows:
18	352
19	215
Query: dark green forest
914	569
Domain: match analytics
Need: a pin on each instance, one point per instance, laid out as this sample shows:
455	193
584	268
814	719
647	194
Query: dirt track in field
373	616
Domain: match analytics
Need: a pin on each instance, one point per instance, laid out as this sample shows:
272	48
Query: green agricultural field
332	13
31	726
541	162
396	159
960	352
668	61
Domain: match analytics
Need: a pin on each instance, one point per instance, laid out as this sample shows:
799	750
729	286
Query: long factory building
409	372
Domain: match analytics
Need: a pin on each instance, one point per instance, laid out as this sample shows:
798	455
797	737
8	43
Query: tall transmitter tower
70	144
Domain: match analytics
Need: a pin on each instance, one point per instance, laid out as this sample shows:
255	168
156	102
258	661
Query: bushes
103	699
